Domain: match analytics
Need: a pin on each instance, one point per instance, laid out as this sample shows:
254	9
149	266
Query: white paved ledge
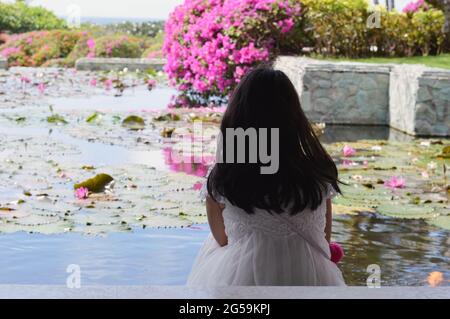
179	292
117	64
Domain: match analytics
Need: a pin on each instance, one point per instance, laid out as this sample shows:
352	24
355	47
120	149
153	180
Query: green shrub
154	47
115	46
119	46
18	17
339	28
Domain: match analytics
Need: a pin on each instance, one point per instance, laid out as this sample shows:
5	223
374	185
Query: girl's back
268	196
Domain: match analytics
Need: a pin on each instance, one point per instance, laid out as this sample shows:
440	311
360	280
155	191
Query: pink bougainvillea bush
415	6
211	44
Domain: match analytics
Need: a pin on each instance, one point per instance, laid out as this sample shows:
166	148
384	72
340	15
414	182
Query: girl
270	229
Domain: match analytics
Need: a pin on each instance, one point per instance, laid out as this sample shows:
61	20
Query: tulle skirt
261	260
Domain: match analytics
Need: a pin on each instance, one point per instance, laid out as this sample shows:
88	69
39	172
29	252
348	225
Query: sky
149	9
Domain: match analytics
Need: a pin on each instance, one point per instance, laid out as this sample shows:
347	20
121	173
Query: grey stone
325	84
423	94
117	64
362	99
320	93
368	83
445	94
426	113
3	63
306	101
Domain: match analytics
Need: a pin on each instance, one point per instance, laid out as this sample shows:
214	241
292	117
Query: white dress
266	250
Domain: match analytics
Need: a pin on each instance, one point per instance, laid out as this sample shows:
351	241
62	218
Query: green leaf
134	123
56	119
96	184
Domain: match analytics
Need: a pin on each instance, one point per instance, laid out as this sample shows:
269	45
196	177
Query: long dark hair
266	98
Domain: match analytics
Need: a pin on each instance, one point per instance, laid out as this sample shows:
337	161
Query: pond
148	231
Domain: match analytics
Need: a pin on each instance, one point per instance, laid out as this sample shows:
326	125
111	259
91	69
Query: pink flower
208	46
93	82
337	252
108	84
9	51
25	79
198	186
91	44
347	162
151	84
41	88
395	182
413	7
82	193
348	151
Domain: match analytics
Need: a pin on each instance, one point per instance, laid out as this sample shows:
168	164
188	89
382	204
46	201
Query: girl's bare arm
329	218
215	220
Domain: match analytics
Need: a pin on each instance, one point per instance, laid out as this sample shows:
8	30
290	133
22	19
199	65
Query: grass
441	61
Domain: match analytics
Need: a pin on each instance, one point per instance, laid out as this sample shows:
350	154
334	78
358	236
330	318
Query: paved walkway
166	292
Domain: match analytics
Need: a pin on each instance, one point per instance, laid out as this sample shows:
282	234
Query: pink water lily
93	82
347	162
108	84
151	84
198	186
41	88
25	79
348	151
395	182
82	193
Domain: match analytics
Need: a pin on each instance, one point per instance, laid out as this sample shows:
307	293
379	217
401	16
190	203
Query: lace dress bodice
238	223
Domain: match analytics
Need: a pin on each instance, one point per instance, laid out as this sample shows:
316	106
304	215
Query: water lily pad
56	119
441	221
167	117
134	122
96	184
407	211
94	118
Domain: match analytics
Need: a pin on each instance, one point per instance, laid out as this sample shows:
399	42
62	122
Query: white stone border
117	64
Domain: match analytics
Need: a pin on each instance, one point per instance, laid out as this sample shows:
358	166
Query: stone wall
357	95
3	63
433	104
117	64
410	98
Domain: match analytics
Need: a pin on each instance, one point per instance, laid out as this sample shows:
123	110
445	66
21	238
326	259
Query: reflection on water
145	257
132	100
406	251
